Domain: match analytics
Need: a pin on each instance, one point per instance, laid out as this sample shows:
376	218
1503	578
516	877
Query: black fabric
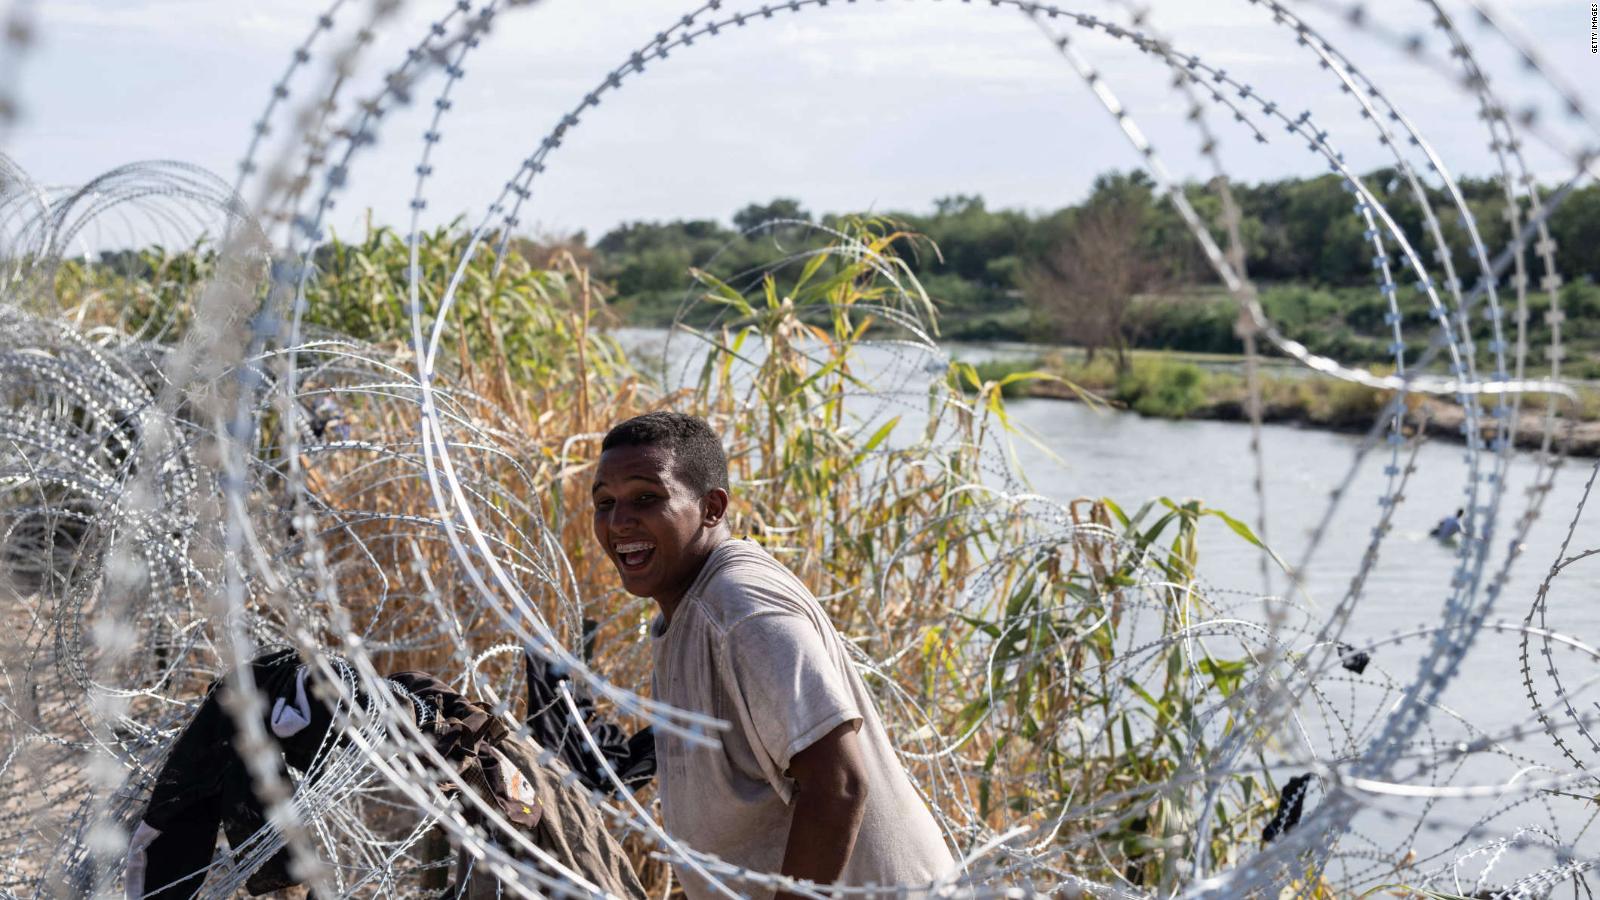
176	860
1291	803
204	784
1352	659
632	758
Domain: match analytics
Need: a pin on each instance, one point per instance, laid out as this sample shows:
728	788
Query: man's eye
602	504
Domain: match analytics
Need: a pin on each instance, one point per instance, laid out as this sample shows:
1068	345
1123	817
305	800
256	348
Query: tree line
1121	270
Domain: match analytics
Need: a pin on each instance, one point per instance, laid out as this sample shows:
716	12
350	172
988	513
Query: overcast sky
879	105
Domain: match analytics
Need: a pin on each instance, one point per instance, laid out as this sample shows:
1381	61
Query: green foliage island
1009	275
1109	300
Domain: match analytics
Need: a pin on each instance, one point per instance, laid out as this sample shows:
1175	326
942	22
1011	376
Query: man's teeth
634	553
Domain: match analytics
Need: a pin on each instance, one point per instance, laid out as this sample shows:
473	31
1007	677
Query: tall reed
1037	664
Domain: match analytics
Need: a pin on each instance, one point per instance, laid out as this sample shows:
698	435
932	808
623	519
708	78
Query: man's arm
830	799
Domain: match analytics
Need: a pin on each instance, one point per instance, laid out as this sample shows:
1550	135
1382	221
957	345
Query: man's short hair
696	449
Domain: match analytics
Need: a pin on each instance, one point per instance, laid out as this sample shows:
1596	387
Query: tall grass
1027	657
993	628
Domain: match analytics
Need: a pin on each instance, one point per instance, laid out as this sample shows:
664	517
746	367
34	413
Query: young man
805	782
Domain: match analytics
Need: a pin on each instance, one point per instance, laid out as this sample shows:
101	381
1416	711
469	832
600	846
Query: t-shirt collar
719	556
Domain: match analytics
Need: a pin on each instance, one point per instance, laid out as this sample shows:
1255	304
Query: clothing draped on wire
632	758
204	784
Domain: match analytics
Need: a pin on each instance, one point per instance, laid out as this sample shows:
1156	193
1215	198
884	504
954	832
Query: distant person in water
805	781
1448	527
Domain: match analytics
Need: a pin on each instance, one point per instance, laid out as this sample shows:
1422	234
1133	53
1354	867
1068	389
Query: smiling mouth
635	556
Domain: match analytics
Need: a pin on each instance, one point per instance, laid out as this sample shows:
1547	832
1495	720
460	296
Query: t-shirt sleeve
788	683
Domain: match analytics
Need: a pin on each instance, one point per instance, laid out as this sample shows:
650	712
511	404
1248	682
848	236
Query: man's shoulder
748	581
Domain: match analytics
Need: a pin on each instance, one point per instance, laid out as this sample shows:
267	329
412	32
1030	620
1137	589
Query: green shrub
1195	324
1346	404
1163	389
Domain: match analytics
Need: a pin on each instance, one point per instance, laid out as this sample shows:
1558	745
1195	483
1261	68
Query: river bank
1168	388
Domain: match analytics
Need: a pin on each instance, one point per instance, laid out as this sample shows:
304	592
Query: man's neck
668	602
666	608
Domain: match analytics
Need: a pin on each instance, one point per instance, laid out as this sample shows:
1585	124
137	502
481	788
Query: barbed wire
189	477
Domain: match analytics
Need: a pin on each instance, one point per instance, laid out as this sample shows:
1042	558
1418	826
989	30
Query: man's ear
713	507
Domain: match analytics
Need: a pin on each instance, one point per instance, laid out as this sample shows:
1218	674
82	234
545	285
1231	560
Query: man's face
650	523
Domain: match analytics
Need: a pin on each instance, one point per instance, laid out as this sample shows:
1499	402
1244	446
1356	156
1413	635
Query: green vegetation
1017	675
1012	377
1170	385
990	271
1164	390
885	524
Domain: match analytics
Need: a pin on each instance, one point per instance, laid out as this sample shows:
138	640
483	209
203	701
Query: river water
1132	459
1067	450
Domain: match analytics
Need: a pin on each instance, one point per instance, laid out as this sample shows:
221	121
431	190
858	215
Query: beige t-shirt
750	645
